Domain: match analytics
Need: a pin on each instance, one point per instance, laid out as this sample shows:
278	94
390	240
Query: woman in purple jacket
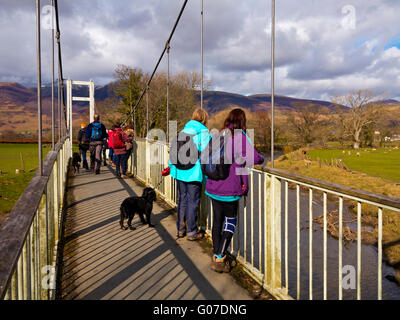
225	194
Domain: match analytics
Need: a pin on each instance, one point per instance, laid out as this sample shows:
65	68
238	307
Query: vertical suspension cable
39	87
60	75
58	107
52	78
168	47
202	54
325	254
340	253
359	250
147	110
380	225
272	79
134	111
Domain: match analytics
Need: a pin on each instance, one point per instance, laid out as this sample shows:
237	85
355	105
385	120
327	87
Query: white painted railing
29	236
267	232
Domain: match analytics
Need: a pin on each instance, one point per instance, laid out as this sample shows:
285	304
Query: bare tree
127	87
107	108
261	122
130	83
305	122
363	111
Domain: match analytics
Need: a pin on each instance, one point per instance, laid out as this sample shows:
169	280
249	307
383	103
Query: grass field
11	184
383	162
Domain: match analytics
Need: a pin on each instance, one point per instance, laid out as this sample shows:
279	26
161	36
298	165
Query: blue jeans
83	154
121	161
189	195
110	153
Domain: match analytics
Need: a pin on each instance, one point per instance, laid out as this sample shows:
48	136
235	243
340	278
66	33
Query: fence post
43	255
148	160
167	180
32	234
273	233
50	218
56	202
25	271
20	278
14	286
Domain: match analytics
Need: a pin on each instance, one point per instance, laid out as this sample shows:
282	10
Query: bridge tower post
71	98
91	101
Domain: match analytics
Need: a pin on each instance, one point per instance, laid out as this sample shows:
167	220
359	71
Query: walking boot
195	237
220	264
85	165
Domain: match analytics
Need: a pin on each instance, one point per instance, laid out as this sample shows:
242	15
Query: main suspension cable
158	63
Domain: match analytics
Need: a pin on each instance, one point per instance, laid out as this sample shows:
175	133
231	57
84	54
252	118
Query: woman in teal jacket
190	181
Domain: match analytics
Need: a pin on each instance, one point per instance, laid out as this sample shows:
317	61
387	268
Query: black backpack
214	163
184	152
85	139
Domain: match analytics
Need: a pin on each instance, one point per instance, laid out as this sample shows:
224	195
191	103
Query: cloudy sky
323	47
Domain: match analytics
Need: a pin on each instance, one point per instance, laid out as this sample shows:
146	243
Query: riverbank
299	163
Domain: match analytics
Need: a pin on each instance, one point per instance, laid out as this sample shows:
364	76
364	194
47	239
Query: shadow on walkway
101	261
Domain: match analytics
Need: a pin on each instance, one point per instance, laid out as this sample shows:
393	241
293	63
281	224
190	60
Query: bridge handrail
273	222
18	225
389	203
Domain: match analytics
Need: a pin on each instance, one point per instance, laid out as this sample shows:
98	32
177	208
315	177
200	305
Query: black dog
76	161
141	205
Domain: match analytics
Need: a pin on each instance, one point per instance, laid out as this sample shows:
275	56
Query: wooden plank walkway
101	261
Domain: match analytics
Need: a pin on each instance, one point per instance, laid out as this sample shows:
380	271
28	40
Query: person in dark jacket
225	194
83	144
96	133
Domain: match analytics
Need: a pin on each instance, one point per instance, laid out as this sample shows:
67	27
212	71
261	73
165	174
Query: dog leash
158	184
164	173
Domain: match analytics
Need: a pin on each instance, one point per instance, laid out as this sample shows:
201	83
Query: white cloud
316	56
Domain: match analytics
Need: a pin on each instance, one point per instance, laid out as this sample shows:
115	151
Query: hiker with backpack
119	139
186	169
96	133
229	154
83	144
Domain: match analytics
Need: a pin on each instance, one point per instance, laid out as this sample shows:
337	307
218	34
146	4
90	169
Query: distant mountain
288	102
390	102
12	93
18	104
100	93
216	101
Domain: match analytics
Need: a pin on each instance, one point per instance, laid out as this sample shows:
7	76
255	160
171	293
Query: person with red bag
118	140
111	155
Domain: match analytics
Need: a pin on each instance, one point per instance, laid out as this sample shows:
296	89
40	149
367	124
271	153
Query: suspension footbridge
62	239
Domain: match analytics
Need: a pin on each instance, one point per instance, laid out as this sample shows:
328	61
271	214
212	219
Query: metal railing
29	236
272	242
